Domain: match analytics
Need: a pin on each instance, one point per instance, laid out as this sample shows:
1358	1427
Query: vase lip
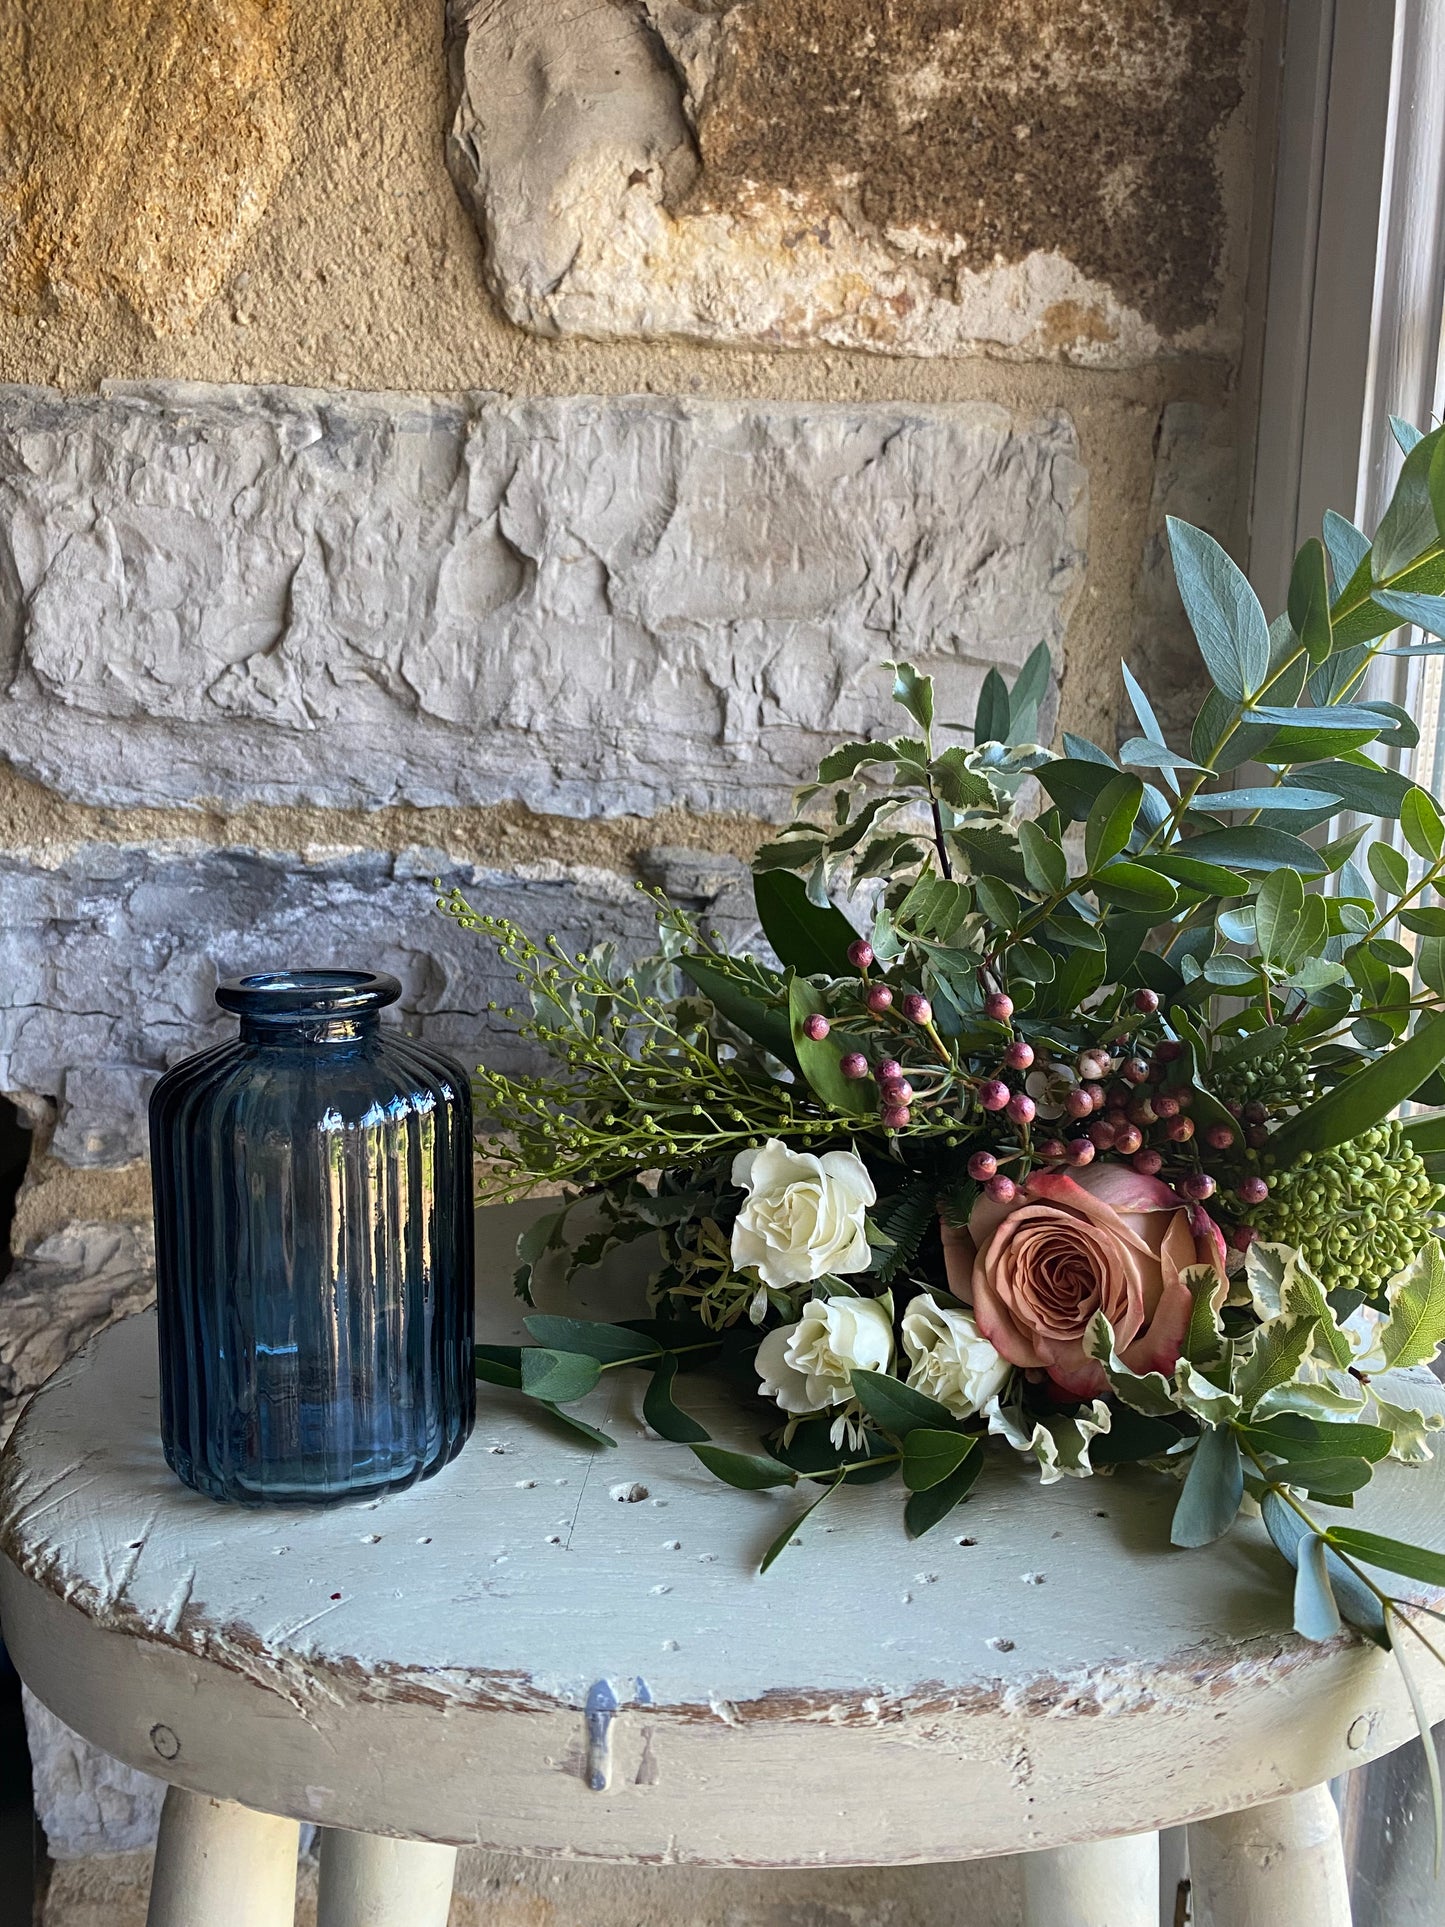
296	996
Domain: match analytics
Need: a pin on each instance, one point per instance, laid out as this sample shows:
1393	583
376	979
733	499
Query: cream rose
809	1366
1037	1270
949	1357
804	1215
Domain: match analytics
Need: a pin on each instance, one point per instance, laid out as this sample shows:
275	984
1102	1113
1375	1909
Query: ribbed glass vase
313	1204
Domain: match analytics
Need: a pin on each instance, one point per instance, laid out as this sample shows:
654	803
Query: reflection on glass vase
312	1183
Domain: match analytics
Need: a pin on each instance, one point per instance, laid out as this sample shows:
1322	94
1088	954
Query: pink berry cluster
1127	1106
895	1093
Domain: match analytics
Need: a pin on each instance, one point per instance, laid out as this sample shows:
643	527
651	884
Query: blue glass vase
313	1204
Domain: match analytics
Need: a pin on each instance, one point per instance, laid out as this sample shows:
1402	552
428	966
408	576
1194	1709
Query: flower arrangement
1060	1109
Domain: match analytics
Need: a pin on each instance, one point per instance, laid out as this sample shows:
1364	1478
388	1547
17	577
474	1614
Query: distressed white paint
1099	1883
1276	1863
422	1666
370	1882
221	1865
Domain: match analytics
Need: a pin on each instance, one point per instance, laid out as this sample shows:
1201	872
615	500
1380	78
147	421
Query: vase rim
291	996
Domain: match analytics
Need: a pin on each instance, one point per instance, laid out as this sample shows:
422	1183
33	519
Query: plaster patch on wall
927	177
140	143
590	606
109	960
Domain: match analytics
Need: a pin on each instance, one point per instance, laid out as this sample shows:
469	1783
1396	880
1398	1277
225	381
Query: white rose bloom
804	1214
949	1357
808	1366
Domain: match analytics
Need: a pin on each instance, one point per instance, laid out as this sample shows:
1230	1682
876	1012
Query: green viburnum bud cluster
1278	1079
1359	1213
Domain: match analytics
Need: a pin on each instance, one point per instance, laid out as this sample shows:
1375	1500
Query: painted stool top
560	1649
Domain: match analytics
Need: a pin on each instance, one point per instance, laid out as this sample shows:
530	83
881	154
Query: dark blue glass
313	1202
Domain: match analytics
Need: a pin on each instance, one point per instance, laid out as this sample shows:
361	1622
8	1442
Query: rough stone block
143	141
86	1801
595	606
70	1287
1022	178
108	960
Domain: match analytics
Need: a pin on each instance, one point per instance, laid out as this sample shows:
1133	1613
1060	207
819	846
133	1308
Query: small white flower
1049	1087
949	1357
809	1366
804	1215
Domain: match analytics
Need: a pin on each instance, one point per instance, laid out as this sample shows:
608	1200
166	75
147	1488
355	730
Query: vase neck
306	1007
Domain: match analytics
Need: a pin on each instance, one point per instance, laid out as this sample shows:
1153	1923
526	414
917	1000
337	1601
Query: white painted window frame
1356	291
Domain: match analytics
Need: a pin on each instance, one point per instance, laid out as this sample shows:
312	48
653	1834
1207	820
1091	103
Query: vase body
313	1205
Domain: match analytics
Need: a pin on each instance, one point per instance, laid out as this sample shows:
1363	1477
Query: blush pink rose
1111	1240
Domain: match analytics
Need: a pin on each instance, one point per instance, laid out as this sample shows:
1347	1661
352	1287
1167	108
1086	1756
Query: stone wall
495	443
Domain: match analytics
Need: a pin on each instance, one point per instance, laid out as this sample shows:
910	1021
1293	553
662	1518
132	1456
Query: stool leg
222	1865
367	1881
1100	1883
1279	1862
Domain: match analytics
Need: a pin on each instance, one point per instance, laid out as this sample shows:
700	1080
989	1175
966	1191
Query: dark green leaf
1277	912
1292	1436
740	1001
820	1059
1210	1501
1075	785
1131	1436
998	902
924	1510
1361	785
1133	887
1424	923
794	1526
896	1407
1212	878
930	1457
1415	1562
1421	824
991	718
607	1343
662	1413
1223	611
748	1471
1309	601
560	1378
574	1424
499	1365
1111	820
805	937
1045	864
1388	868
1360	1101
1408	528
1327	1478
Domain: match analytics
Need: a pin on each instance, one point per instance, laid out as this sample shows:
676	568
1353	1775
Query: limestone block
595	606
62	1293
143	140
109	959
86	1801
1022	178
1196	479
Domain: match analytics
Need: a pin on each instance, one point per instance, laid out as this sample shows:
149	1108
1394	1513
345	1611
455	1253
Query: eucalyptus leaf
1223	611
1309	601
663	1413
1356	1602
1316	1616
1347	546
748	1471
1213	1490
558	1377
609	1344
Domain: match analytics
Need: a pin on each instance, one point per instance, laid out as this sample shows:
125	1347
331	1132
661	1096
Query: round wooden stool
556	1649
